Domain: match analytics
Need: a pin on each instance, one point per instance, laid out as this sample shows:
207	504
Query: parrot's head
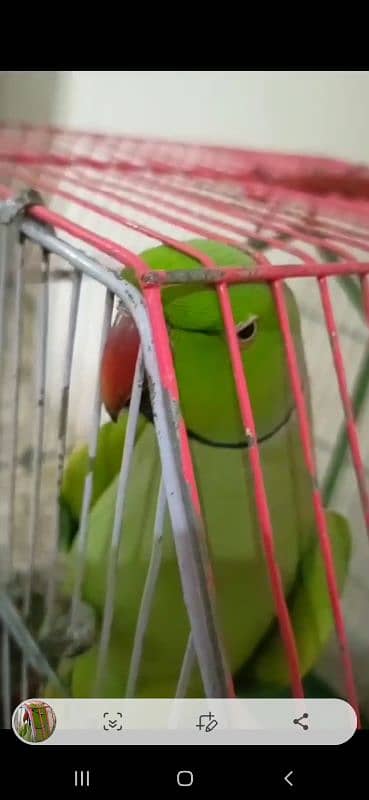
207	391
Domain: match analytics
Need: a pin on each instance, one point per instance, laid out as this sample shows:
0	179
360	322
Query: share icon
302	725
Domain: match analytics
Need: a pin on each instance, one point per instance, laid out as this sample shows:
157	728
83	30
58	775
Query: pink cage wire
292	196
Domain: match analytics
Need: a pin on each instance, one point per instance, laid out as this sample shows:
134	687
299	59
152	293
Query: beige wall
28	96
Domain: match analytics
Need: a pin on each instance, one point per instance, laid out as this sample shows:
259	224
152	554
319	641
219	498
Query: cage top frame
302	198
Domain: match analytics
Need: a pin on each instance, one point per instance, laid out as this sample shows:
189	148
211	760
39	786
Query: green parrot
219	450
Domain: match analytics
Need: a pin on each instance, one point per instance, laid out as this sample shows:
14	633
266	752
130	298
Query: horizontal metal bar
271	274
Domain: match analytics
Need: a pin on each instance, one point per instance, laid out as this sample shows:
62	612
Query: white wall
314	111
311	111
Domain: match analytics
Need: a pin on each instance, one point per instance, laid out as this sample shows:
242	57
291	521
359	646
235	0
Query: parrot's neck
247	442
146	411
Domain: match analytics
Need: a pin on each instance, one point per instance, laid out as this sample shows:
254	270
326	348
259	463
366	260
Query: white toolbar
194	722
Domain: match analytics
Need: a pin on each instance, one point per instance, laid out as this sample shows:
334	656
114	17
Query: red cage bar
264	182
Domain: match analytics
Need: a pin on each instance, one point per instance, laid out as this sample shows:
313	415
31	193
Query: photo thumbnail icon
34	721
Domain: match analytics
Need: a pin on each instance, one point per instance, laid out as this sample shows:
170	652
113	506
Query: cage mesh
111	197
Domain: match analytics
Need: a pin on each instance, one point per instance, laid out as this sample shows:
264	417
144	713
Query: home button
184	777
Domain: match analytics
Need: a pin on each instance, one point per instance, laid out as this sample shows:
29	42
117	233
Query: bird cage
76	210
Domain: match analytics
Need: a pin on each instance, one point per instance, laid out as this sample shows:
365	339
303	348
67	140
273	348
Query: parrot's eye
246	331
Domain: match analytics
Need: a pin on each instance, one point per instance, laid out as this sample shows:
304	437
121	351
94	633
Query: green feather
209	404
104	467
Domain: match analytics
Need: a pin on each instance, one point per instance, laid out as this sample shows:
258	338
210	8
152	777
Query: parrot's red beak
118	364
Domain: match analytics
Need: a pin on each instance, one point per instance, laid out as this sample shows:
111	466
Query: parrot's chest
227	494
226	488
